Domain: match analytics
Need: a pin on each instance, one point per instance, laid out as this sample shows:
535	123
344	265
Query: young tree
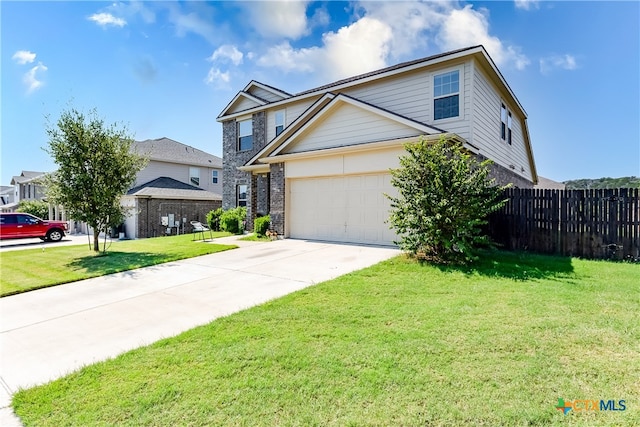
444	198
95	169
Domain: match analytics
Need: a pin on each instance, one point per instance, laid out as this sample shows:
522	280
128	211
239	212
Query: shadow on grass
115	262
516	265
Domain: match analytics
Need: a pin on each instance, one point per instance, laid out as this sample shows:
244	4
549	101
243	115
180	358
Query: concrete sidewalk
50	332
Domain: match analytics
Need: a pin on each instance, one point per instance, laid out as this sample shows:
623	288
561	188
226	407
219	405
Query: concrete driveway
50	332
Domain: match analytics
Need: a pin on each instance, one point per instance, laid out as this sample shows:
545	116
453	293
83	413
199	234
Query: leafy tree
95	169
444	198
38	208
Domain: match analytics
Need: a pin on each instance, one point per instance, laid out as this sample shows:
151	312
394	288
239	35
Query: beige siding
347	125
241	104
486	128
179	172
264	94
292	112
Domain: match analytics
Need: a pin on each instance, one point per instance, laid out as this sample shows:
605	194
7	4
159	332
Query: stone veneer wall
151	212
276	209
232	158
505	176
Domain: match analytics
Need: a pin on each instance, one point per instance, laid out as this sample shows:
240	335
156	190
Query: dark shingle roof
165	187
168	150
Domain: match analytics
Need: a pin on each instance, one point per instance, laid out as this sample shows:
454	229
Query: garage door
341	209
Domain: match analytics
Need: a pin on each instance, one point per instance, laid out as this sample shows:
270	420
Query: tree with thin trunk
96	167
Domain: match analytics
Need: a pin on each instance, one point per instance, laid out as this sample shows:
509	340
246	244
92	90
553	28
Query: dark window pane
279	130
445	107
245	143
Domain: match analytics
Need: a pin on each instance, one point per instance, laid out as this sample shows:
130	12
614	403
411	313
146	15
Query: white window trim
250	120
238	199
193	169
284	120
215	175
461	83
508	124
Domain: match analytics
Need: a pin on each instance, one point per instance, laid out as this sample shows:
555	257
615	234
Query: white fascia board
240	113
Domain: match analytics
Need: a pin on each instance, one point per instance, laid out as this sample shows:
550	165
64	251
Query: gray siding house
318	161
179	184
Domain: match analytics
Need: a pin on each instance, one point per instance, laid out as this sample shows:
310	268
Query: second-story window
245	135
509	128
503	122
194	176
446	95
279	122
214	177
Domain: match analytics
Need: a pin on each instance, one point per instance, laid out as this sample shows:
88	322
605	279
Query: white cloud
105	19
360	47
192	23
217	77
24	57
227	53
564	62
467	27
527	4
275	19
30	78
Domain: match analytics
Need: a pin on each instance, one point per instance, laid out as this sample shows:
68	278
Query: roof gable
168	150
265	92
346	121
243	101
164	187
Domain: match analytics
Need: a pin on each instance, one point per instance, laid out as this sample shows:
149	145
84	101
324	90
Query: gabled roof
274	90
326	110
27	176
245	95
168	150
169	188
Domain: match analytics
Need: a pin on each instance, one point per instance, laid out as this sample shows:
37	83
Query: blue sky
169	68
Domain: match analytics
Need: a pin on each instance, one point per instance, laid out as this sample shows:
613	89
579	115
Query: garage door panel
349	208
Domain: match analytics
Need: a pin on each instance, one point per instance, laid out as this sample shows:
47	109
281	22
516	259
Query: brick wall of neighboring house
232	158
151	212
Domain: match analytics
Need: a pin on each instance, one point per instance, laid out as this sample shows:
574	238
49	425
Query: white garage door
341	209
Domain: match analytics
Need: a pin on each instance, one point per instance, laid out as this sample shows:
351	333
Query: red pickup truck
23	225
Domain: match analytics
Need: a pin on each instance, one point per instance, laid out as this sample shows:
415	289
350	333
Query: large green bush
38	208
261	225
213	219
233	220
444	198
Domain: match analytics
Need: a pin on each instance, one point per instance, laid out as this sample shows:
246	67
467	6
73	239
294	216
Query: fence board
601	224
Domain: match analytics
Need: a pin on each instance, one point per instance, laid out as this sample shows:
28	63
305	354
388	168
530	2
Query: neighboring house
26	186
7	195
179	184
318	162
548	184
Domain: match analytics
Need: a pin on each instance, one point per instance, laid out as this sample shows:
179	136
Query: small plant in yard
445	196
232	220
213	219
261	225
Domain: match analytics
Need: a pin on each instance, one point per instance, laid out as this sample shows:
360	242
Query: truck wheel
54	235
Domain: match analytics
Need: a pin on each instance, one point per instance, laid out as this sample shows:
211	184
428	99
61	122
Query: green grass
253	237
396	344
30	269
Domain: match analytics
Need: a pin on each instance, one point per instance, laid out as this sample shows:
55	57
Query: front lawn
396	344
30	269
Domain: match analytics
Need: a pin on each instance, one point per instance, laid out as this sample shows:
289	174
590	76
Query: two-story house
179	184
318	161
26	186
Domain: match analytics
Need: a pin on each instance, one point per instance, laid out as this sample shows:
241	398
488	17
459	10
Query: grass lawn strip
398	343
26	270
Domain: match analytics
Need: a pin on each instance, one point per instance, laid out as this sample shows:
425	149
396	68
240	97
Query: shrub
444	199
261	225
233	220
38	208
213	219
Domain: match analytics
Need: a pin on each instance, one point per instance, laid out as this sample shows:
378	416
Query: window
446	95
279	122
214	177
245	135
503	122
194	176
242	195
509	128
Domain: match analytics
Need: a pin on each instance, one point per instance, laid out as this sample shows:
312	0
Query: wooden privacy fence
601	224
